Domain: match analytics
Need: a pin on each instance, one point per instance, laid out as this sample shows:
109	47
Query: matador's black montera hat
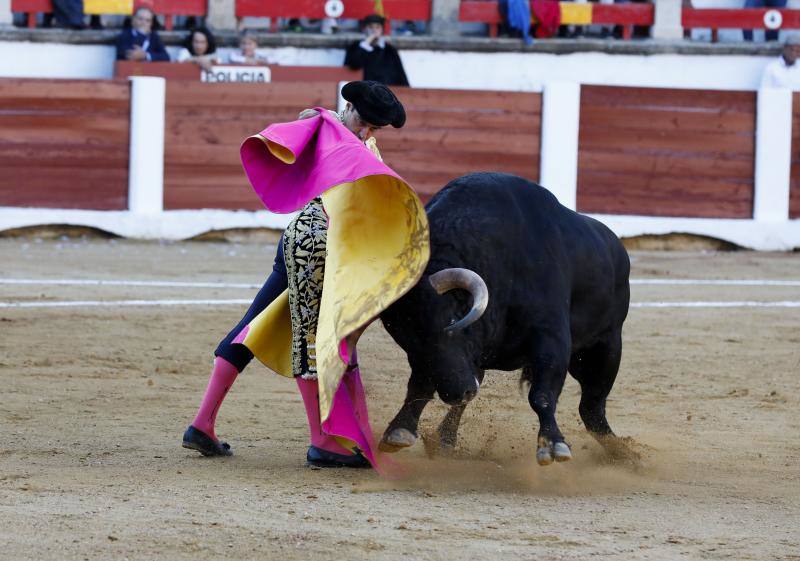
375	103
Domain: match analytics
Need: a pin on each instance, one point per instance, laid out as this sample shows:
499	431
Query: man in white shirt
784	72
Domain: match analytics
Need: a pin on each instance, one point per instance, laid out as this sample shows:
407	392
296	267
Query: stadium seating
471	11
626	15
353	9
750	18
165	8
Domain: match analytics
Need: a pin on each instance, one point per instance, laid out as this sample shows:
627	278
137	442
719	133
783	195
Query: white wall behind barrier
529	71
169	225
55	60
442	69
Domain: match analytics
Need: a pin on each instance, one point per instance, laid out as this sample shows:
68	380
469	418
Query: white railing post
558	168
6	18
444	18
221	14
146	162
773	155
667	21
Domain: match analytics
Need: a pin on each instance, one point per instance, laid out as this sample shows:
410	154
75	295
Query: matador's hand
307	114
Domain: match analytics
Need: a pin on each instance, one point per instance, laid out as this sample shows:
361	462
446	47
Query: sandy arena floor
95	399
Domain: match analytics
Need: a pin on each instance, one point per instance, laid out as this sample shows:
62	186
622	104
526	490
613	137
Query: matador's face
358	126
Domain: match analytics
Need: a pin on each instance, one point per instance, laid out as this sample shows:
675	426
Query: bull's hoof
561	452
396	439
547	451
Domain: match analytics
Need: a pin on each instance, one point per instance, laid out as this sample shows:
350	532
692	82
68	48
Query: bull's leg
546	374
596	370
448	428
402	431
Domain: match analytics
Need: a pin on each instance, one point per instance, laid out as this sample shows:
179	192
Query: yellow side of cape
377	247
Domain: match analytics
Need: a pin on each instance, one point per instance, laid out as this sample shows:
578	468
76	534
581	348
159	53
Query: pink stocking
309	389
222	378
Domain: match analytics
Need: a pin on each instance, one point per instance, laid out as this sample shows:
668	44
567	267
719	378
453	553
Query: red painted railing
353	9
747	18
625	15
166	8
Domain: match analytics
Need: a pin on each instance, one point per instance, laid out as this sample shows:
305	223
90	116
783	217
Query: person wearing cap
298	267
379	59
784	72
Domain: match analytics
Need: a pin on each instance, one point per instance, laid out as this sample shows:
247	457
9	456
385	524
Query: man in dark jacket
379	59
140	42
69	13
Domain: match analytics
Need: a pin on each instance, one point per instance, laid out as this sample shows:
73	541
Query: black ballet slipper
319	458
195	439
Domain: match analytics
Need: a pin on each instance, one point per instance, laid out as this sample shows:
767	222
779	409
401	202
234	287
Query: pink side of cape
326	154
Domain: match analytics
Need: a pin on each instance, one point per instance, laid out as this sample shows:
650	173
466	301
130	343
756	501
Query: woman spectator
247	53
200	47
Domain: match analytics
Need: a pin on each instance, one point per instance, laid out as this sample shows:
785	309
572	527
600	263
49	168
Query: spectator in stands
248	51
770	34
200	47
785	71
140	42
69	13
380	60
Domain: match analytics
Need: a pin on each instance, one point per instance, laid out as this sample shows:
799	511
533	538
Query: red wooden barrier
662	152
64	143
206	124
167	8
353	9
450	133
749	18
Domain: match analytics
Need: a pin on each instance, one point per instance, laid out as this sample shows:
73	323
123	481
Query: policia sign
224	74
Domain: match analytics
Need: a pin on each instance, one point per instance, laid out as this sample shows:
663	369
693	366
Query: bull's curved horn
448	279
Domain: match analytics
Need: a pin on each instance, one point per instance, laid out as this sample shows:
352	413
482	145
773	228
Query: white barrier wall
55	60
441	69
769	229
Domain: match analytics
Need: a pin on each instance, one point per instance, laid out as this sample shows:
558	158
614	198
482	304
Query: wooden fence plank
450	133
206	124
656	152
447	134
64	143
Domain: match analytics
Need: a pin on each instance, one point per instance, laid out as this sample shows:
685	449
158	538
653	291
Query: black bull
558	295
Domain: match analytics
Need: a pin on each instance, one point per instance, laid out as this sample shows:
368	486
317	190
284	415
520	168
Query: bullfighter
362	230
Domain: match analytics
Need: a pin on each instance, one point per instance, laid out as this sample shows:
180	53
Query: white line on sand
133	303
104	282
116	303
717	282
723	304
186	284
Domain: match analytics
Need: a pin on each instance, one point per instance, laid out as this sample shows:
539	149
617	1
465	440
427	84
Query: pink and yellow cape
377	249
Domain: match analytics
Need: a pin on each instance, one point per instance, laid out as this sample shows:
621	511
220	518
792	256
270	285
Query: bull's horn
448	279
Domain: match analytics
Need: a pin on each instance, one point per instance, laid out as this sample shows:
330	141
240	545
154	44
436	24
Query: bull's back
518	235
